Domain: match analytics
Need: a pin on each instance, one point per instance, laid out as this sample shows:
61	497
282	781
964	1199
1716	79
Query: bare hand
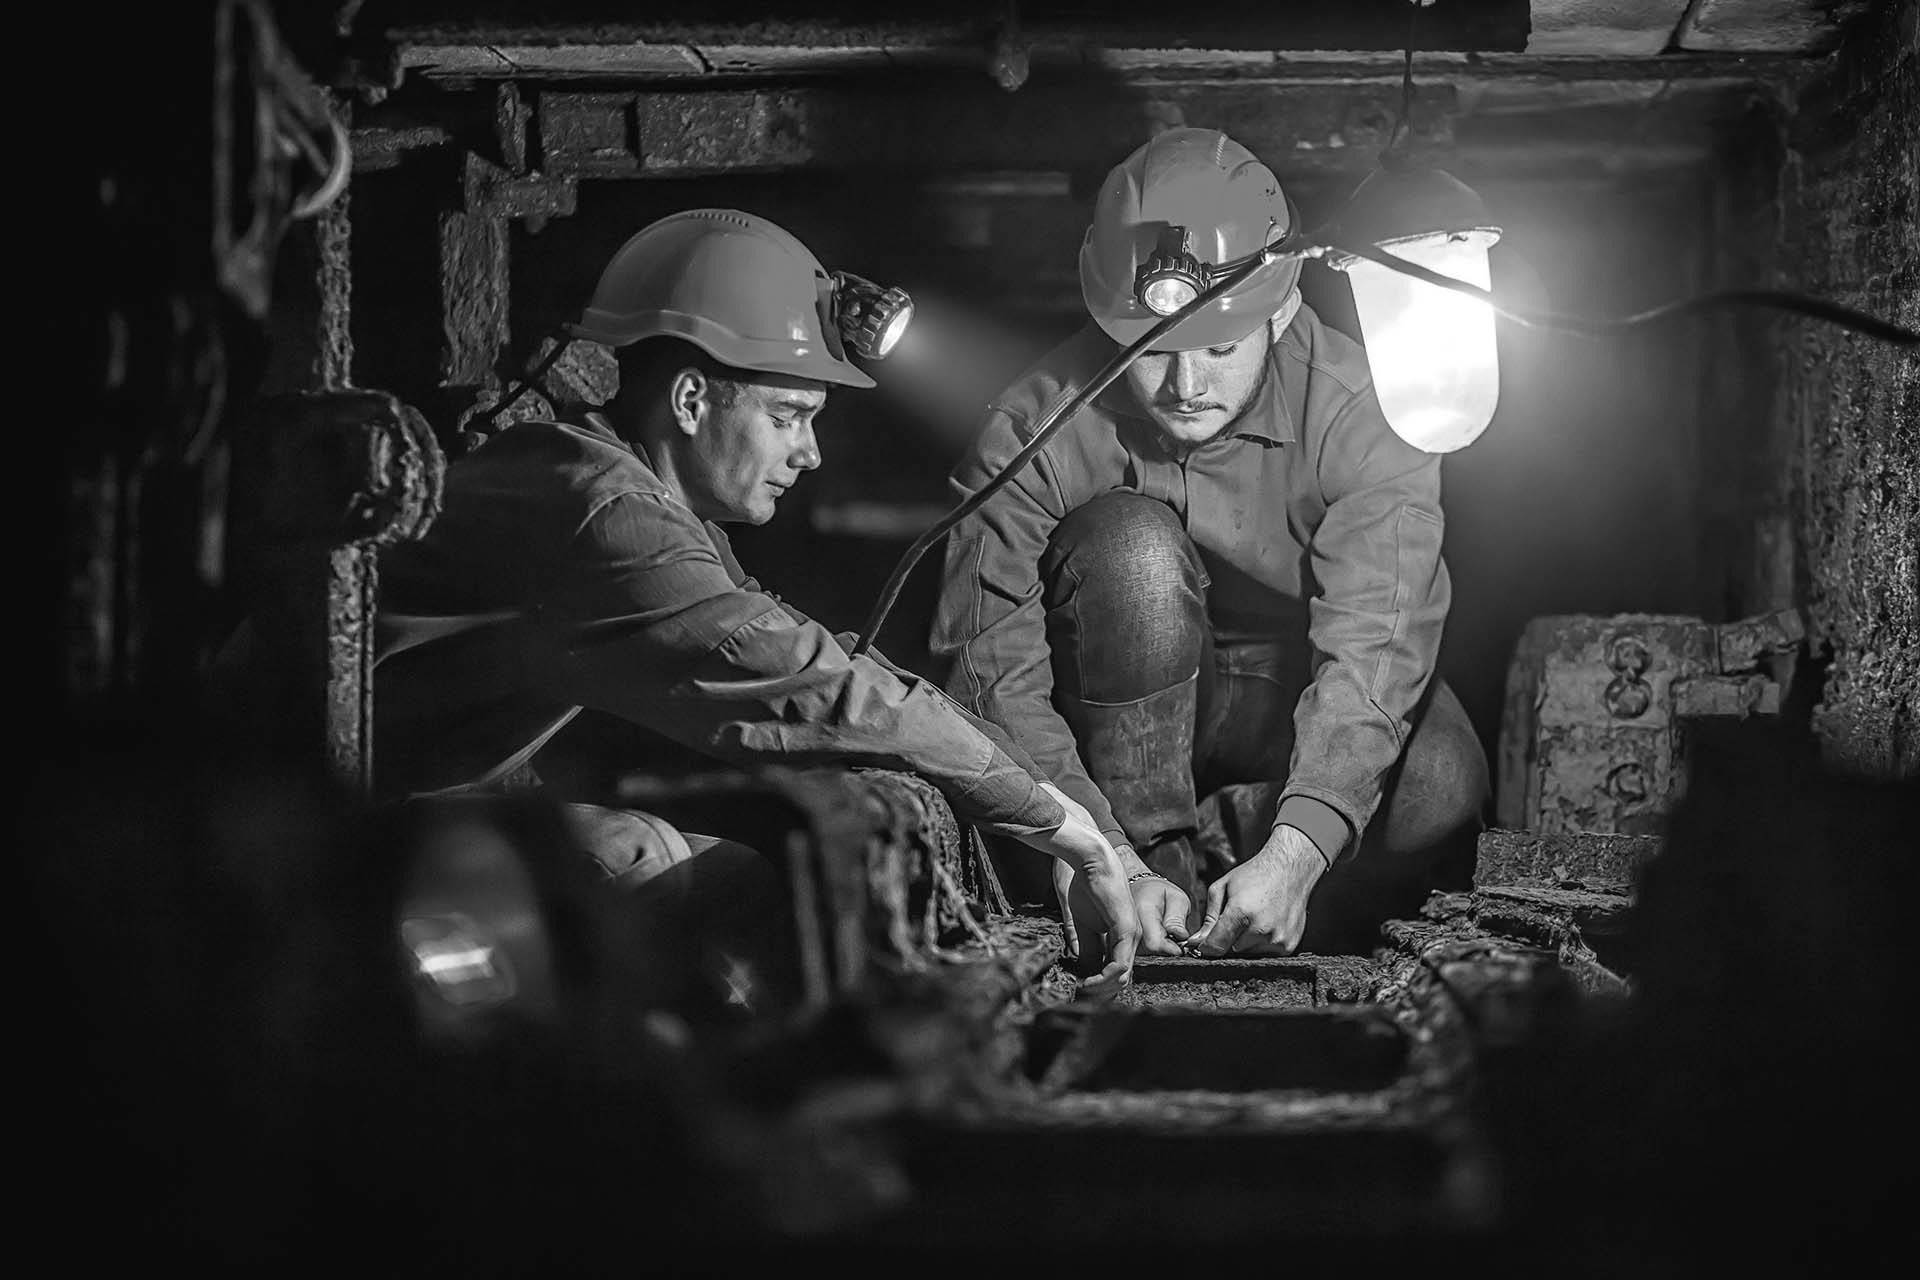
1094	902
1260	907
1161	904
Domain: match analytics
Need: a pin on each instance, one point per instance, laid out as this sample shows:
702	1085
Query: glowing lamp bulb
1431	349
1168	294
891	331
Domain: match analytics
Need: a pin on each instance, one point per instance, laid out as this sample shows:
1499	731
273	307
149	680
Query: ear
1277	322
688	401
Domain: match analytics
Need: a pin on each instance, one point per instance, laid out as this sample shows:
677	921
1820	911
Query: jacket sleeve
648	624
989	627
1376	621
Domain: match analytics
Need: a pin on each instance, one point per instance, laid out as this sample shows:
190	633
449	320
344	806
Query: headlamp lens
895	328
1167	293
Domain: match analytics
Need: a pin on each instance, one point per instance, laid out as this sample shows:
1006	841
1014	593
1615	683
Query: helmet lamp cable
525	384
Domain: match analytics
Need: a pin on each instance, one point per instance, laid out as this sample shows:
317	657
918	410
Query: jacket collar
601	425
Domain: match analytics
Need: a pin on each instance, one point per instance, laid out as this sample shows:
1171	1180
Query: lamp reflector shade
1435	366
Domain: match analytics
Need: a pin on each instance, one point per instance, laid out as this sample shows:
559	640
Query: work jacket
1311	519
562	573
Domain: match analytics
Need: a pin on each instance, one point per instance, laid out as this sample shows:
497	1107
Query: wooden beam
685	40
663	133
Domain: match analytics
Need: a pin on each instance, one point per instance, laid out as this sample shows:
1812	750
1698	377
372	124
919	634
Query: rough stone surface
1492	926
1603	26
1850	406
1764	26
1229	983
1590	859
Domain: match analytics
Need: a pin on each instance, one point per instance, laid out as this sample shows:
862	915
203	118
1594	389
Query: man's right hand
1161	904
1093	891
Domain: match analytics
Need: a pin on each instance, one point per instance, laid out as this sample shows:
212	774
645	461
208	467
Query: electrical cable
1403	123
1609	326
538	372
1050	422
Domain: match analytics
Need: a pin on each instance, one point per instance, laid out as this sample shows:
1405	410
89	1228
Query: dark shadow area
1241	1052
1750	1109
1218	1195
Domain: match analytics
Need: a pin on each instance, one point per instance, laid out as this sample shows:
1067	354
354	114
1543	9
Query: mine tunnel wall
1845	420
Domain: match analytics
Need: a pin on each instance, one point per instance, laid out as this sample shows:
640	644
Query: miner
1211	604
582	564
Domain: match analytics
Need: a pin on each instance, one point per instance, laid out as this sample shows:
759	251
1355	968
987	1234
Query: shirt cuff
1006	800
1318	821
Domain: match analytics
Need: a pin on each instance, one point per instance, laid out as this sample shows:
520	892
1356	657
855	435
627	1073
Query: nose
806	451
1183	375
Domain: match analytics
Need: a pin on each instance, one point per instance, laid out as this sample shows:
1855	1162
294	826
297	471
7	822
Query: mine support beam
671	133
476	260
1322	118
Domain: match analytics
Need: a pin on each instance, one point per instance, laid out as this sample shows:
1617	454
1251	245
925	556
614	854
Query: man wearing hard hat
581	564
1211	605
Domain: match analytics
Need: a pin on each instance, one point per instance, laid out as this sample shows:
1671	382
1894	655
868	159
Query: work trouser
1189	736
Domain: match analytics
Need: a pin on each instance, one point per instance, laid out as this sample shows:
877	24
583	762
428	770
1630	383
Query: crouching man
1213	601
581	564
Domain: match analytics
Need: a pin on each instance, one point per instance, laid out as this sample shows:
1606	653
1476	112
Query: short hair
648	367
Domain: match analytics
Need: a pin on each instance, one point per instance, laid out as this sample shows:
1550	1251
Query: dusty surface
1849	409
1221	985
1562	860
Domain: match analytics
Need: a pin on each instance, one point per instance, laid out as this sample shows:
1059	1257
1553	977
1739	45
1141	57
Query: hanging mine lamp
1431	349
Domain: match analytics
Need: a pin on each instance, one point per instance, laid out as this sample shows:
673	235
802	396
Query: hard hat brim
1208	329
795	360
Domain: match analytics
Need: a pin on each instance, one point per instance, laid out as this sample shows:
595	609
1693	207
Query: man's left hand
1260	907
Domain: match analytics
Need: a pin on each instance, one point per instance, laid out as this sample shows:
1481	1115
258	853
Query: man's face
747	452
1192	396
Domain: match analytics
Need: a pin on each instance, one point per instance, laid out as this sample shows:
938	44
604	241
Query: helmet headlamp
1171	277
870	318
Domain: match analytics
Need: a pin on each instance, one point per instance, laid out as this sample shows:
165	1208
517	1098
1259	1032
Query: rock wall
1849	408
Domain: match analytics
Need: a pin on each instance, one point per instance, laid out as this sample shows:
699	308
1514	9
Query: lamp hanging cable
1403	123
1608	326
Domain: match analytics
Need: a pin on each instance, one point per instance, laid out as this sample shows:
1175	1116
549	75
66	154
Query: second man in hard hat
581	564
1211	604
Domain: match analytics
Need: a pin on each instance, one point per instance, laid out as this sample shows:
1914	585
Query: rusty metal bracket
492	191
1745	644
342	468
